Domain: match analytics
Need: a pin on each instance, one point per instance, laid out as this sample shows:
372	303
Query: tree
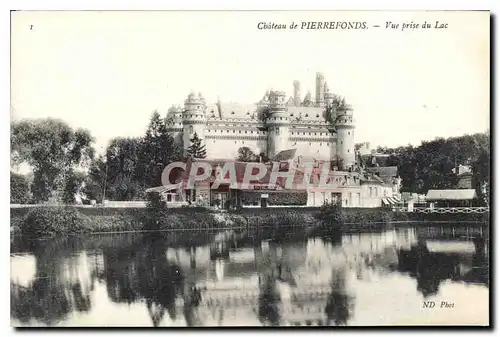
94	183
196	149
120	170
114	175
432	164
247	155
158	149
480	165
131	165
72	186
52	148
19	189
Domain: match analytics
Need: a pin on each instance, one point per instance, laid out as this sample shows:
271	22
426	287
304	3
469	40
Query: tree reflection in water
145	272
269	297
269	300
338	304
57	288
432	268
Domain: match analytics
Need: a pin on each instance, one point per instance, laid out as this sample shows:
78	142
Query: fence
444	210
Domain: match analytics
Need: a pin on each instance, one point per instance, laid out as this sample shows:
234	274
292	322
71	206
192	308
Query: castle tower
344	125
296	93
329	97
320	89
194	119
173	122
278	123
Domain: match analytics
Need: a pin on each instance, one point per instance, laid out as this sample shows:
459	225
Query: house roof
386	171
375	159
459	194
285	155
237	110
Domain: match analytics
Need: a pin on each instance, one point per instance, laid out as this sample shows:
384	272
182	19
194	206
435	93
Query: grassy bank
42	222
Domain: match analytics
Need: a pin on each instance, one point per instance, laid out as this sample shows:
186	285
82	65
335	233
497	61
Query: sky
108	71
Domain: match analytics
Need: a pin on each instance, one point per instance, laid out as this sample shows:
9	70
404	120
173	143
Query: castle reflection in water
134	280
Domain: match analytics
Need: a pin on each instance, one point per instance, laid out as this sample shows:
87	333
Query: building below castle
319	129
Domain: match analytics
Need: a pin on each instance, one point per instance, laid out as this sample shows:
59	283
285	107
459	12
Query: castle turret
278	123
329	97
296	93
194	118
320	89
344	125
307	100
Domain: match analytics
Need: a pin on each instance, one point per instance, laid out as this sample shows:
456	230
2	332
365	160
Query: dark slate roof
385	171
375	159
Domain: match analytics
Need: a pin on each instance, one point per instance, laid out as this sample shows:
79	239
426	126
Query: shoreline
70	221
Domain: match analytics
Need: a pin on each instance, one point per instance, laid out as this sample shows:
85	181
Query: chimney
320	89
296	93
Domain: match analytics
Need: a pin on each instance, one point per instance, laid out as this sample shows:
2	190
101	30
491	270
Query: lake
407	276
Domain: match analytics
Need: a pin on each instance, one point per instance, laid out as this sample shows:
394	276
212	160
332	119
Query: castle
321	130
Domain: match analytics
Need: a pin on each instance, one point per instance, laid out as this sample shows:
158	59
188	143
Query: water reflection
432	268
302	282
61	285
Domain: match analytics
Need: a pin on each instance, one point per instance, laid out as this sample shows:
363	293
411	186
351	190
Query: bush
334	217
51	221
288	199
155	213
331	216
284	219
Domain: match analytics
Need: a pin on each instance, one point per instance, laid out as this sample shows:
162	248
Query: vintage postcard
250	168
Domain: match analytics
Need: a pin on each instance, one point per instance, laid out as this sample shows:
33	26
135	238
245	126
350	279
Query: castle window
235	142
309	143
281	118
349	133
341	142
232	112
240	131
348	151
317	116
246	131
233	131
307	115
